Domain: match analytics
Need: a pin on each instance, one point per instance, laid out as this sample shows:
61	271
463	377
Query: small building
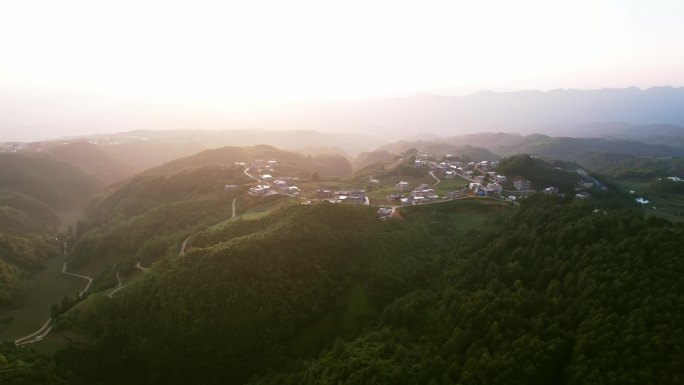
582	195
583	184
402	186
324	193
358	192
494	189
422	191
500	178
384	212
474	186
280	183
550	190
357	196
522	184
266	177
450	174
260	190
230	187
642	201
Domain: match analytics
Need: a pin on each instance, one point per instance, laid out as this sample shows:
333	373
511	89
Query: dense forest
301	165
541	173
26	242
56	183
147	217
550	292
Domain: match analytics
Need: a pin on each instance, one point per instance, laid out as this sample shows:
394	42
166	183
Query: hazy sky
77	67
202	51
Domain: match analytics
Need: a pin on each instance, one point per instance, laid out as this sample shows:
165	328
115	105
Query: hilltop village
426	179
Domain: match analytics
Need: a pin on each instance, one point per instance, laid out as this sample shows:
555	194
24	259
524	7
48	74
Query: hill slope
328	165
550	293
93	159
54	182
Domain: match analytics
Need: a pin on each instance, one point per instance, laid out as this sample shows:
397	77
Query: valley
240	257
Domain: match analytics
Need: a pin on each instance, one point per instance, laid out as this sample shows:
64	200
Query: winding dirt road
118	286
432	174
90	280
45	329
35	336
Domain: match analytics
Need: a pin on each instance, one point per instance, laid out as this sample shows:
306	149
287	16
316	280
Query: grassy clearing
60	339
460	214
447	185
258	211
667	206
377	192
48	287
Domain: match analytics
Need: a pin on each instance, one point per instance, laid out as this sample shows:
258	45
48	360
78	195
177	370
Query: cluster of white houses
357	196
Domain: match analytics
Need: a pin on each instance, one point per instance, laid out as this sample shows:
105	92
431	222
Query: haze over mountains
45	114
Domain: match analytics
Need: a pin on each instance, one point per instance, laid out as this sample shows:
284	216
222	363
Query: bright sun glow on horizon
215	52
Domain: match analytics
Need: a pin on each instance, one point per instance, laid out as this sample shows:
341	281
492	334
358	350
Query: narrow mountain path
90	280
183	245
373	180
137	265
118	286
186	240
45	329
432	174
234	200
35	336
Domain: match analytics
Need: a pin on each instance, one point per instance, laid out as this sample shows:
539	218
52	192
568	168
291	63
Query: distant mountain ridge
93	159
328	165
555	111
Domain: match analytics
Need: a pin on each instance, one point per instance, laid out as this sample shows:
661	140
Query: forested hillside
251	294
148	216
549	293
93	159
605	155
324	164
54	182
540	172
553	295
472	153
366	159
34	190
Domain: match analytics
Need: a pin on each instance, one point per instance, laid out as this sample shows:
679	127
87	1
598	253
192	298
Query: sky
250	52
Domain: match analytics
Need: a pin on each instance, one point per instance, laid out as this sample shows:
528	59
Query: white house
402	186
522	184
260	190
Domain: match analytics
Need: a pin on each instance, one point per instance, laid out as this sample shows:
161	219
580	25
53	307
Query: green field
48	287
258	211
377	192
458	214
667	206
447	185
